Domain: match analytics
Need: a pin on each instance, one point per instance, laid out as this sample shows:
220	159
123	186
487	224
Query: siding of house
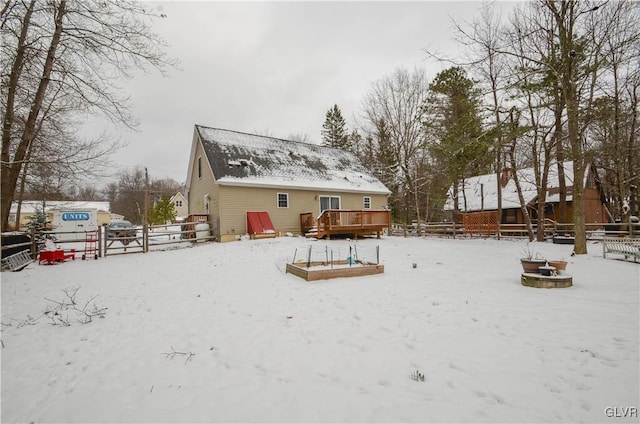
237	201
594	210
201	186
182	210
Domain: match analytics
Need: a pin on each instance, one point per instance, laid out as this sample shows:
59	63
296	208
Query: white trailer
70	221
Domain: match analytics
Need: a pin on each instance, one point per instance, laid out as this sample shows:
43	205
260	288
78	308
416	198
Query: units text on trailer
69	223
75	216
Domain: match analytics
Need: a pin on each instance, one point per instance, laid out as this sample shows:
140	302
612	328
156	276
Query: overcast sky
275	68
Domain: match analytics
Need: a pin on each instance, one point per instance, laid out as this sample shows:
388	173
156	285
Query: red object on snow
259	223
53	256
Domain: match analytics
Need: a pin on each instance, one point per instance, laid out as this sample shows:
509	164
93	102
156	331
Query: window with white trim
283	200
366	202
329	202
199	166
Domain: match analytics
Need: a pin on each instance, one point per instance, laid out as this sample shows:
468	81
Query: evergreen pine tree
453	123
334	132
385	156
356	143
386	168
37	221
163	212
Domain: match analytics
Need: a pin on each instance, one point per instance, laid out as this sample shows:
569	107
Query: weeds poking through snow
417	376
28	321
59	312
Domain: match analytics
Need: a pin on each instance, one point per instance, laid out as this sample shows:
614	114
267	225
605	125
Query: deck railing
341	221
332	219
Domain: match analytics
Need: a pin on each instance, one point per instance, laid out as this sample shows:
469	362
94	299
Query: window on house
366	202
283	200
329	202
178	203
199	166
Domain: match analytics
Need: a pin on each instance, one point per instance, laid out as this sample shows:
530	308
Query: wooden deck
356	223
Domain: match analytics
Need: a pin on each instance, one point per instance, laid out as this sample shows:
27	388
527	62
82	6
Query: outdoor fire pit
540	281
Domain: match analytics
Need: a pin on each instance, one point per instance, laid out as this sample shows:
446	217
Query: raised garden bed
312	271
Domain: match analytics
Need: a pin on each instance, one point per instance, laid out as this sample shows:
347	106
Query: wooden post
146	197
34	252
104	244
145	238
100	228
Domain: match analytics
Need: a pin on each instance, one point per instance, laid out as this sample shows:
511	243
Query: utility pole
146	196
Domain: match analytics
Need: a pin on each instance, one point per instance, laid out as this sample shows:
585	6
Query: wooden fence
595	231
148	237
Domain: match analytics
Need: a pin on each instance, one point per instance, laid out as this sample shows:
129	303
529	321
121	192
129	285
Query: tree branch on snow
59	314
173	354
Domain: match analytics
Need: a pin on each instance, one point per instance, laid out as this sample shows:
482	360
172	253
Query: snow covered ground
220	333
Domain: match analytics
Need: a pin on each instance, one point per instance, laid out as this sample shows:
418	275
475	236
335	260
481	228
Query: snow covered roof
258	161
30	206
481	192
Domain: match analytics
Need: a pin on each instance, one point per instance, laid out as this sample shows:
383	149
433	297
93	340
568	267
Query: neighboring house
115	217
231	173
29	208
181	205
481	195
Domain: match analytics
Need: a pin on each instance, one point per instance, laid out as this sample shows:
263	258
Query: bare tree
89	193
299	137
485	38
564	40
570	27
613	124
396	100
63	60
130	195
